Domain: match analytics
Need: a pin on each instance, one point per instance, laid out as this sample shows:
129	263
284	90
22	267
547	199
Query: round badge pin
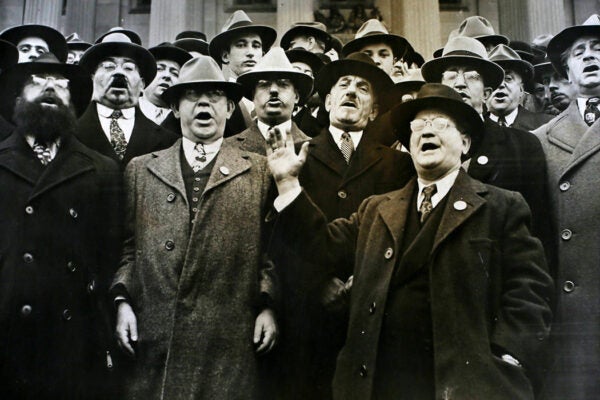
460	205
482	160
224	170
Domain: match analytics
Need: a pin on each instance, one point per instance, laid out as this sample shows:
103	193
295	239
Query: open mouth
464	95
349	104
164	85
203	116
48	100
591	68
429	146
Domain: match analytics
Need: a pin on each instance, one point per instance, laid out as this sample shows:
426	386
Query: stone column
81	18
524	20
169	17
43	12
291	11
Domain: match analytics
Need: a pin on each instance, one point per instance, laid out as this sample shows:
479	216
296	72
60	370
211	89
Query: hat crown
73	38
362	57
503	53
476	26
371	27
593	19
191	35
465	45
200	69
237	19
274	60
438	90
116	37
46	58
317	25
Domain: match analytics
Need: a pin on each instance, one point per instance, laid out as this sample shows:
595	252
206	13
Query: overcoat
196	287
252	140
528	120
59	241
573	156
488	286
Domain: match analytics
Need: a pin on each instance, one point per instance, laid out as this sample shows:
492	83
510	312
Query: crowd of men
232	219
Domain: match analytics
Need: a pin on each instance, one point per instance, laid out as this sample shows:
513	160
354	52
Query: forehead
512	73
168	63
301	65
433	113
119	60
461	68
246	37
376	47
585	40
32	41
299	37
352	78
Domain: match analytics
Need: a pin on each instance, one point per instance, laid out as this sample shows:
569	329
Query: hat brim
234	91
492	73
56	41
330	73
563	40
522	67
304	56
78	46
197	45
542	70
308	31
13	79
9	55
492	40
101	51
171	53
302	82
394	95
222	40
398	44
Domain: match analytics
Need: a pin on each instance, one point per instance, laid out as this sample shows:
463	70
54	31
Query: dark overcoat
528	120
488	286
252	140
573	156
198	287
59	241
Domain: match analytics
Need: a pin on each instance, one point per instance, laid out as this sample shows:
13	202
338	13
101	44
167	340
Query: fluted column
291	11
169	17
44	12
524	20
81	18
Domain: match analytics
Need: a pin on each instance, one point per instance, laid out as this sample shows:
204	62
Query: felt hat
316	29
133	37
74	42
166	51
508	59
192	41
314	61
480	28
56	41
373	31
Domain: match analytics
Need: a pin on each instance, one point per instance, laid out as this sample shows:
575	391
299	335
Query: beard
46	124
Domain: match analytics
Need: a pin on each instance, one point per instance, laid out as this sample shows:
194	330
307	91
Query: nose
548	90
460	81
274	89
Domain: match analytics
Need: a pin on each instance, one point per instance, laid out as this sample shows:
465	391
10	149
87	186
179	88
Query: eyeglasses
437	124
110	66
468	76
39	80
194	95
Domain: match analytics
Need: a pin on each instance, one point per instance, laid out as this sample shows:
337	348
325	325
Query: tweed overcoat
573	156
198	287
488	286
59	241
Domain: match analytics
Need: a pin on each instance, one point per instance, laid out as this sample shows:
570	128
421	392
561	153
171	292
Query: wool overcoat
196	287
528	120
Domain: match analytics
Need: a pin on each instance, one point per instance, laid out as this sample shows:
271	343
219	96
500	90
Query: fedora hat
399	90
9	55
435	96
74	42
358	64
275	65
508	59
166	51
314	61
452	35
526	51
542	70
13	79
373	31
565	38
56	41
119	45
478	27
237	24
133	37
464	51
202	73
316	29
192	41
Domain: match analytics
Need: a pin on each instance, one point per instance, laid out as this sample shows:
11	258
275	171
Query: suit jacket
145	138
528	121
307	123
171	123
252	140
573	157
488	286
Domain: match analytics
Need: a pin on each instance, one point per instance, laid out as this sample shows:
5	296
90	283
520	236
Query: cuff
282	201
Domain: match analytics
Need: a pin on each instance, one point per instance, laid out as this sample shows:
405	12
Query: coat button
564	186
363	371
169	245
389	252
372	308
342	194
566	234
171	197
91	286
26	310
28	258
569	286
482	160
73	213
67	314
540	336
196	189
195	199
194	210
71	266
29	210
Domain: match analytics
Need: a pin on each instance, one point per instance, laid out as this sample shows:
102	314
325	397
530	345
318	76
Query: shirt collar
443	187
509	118
284	127
337	135
103	111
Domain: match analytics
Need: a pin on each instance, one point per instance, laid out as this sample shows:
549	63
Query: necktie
347	146
199	157
591	112
502	121
426	204
42	152
117	136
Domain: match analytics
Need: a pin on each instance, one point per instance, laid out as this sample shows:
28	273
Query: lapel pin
224	170
460	205
482	160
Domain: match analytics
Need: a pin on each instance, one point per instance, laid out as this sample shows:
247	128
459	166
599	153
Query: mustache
119	81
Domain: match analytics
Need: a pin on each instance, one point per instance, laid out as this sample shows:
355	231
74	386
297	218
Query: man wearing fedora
195	296
449	299
504	104
571	142
311	36
59	239
76	47
34	40
113	124
194	42
478	27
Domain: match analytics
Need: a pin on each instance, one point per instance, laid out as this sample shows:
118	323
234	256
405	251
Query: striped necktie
347	146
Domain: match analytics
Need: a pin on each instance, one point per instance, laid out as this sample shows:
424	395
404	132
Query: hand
126	329
283	162
334	296
265	331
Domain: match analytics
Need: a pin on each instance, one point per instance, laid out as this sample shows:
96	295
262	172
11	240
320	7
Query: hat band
239	24
373	33
462	53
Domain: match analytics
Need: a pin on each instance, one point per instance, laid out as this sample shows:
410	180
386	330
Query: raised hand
284	163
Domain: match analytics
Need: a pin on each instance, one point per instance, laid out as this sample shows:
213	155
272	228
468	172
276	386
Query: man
571	142
169	60
239	46
450	289
59	238
194	42
9	56
311	36
558	91
505	102
113	123
34	40
197	312
76	48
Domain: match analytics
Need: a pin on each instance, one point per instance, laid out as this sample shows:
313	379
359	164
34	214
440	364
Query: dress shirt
509	118
153	112
337	136
211	149
284	127
581	105
126	122
443	187
52	146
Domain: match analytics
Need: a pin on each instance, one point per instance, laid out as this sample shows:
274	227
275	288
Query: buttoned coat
145	137
528	120
59	241
197	287
573	156
488	286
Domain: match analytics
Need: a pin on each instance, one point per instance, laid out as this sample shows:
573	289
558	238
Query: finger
303	153
266	341
278	137
289	141
258	328
124	343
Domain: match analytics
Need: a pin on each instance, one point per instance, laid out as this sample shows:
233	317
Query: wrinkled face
203	114
167	74
508	95
469	84
74	56
561	92
351	103
382	55
436	145
583	64
274	100
117	83
49	90
31	48
303	67
243	54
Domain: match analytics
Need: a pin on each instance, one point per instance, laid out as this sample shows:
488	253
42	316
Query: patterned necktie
199	157
347	147
42	152
426	204
117	136
502	121
591	113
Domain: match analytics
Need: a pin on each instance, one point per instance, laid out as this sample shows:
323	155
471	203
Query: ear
374	111
487	92
297	97
230	108
466	141
328	102
175	109
225	57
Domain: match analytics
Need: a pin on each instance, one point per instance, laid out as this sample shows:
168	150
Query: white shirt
211	149
509	118
153	112
126	122
337	136
443	187
284	127
52	146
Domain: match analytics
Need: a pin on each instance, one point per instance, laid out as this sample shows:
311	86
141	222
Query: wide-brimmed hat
565	38
133	37
202	73
399	90
508	59
237	24
438	53
478	27
316	29
314	61
373	31
166	51
275	65
14	77
56	41
192	41
526	51
542	70
74	42
358	64
464	51
119	45
435	96
9	55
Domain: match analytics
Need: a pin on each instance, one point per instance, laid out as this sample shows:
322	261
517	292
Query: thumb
257	331
133	332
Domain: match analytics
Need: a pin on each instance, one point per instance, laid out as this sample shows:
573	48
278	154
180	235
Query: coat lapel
394	212
166	165
91	134
17	157
230	163
484	164
567	132
324	149
366	155
587	145
253	140
144	137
